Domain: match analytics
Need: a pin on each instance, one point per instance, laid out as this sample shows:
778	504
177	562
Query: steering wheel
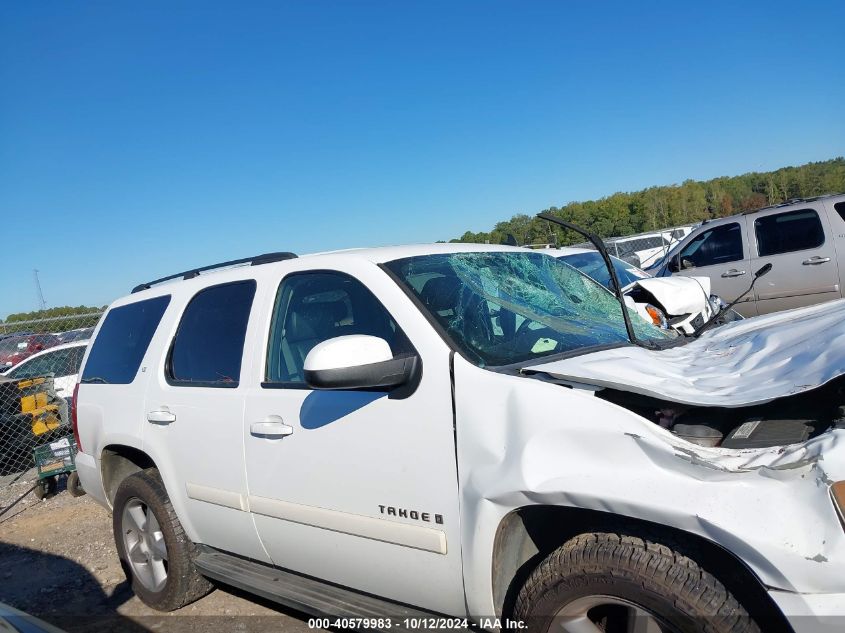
541	332
523	327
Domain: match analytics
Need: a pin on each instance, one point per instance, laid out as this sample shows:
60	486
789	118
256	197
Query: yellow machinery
35	402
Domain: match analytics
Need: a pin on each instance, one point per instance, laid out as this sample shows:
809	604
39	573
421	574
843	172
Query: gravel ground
58	562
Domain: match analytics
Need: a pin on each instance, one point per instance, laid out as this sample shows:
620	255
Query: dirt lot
58	562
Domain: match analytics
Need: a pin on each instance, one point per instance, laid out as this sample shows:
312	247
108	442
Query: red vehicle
14	349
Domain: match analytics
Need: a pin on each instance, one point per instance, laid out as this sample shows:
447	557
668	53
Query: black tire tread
655	567
184	582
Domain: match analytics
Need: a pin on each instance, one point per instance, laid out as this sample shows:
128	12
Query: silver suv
804	240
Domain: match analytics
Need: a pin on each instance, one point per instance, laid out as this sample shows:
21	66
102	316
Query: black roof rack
257	260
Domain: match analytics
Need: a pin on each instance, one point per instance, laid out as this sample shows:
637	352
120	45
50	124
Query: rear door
194	415
799	245
721	253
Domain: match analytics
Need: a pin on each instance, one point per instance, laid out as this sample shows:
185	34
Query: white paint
690	296
347	351
742	363
418	537
225	498
520	442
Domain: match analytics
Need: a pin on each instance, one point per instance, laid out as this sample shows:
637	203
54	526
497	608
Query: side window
122	341
208	347
840	209
314	307
719	245
788	232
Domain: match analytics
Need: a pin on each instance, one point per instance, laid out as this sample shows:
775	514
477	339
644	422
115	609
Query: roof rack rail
257	260
791	201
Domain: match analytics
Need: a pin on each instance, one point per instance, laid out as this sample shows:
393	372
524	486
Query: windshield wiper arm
617	287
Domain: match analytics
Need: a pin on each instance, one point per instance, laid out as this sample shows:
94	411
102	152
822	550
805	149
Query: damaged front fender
524	442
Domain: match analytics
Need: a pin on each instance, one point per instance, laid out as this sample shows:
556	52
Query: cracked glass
501	307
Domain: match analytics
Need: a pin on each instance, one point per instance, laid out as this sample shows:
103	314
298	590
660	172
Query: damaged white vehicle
451	435
682	303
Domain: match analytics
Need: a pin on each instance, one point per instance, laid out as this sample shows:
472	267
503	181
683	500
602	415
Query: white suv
470	432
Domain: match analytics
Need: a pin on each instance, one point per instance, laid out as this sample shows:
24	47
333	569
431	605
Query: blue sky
139	139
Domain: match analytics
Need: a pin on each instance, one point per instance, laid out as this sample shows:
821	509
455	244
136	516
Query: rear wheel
607	583
154	551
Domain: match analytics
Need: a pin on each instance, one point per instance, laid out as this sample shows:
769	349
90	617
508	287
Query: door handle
813	261
733	272
272	426
161	417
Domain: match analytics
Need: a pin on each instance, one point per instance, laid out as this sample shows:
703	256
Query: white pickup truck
461	435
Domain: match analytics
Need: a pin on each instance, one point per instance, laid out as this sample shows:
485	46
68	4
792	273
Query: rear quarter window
122	341
840	209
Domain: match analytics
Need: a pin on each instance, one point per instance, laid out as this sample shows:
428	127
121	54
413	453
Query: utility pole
42	303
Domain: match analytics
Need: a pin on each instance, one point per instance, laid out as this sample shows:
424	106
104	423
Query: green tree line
61	318
664	206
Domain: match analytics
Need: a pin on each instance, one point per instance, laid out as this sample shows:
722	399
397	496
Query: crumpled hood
678	295
743	363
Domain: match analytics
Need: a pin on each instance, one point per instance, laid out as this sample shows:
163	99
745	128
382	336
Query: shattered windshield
592	265
505	307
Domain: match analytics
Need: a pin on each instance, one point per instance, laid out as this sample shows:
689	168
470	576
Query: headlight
657	316
716	304
837	493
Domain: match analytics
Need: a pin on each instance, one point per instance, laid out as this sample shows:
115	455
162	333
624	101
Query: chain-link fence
644	250
39	367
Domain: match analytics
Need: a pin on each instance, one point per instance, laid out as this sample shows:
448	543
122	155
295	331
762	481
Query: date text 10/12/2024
415	623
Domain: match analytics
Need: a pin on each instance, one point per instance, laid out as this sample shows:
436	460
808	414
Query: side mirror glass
357	361
687	264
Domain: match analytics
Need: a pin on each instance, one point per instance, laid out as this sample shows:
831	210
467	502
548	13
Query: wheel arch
119	461
526	535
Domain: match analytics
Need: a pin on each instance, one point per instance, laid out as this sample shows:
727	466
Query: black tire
40	490
633	572
74	487
183	584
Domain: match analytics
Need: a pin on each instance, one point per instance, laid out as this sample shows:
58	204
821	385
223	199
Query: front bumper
812	612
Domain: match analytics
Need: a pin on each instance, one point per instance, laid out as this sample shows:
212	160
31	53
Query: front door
354	487
721	253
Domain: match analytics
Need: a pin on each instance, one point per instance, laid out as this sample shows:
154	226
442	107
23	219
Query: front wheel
604	583
154	551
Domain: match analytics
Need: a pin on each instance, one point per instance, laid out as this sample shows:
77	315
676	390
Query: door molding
414	536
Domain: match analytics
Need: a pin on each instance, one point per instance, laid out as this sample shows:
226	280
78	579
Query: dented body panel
740	364
769	507
690	296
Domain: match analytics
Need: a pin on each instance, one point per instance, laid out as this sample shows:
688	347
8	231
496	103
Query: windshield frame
455	347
